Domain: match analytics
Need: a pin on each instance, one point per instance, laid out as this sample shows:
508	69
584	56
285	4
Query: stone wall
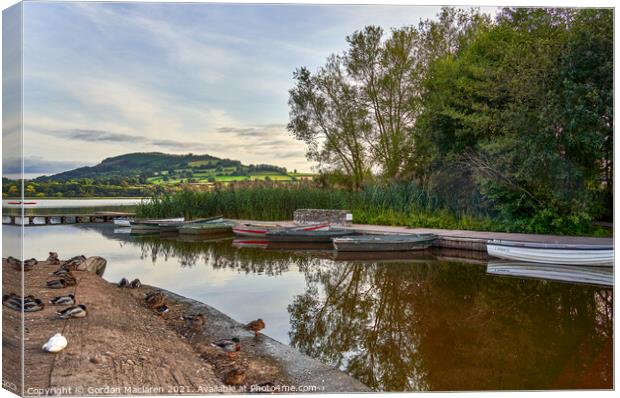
322	216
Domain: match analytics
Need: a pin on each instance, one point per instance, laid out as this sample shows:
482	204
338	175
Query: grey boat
173	227
300	235
378	243
207	228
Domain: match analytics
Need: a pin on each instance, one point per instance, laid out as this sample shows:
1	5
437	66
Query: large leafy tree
511	108
585	96
389	74
325	115
358	112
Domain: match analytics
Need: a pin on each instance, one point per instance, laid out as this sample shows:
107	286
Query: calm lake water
401	325
73	206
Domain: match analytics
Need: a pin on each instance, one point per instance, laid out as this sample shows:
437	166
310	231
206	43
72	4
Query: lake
73	206
425	323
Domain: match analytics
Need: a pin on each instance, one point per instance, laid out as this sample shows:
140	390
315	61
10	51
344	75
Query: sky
104	79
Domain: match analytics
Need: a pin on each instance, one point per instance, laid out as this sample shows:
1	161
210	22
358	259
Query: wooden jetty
56	219
464	239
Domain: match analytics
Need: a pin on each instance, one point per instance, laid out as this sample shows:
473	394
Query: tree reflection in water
216	251
428	324
449	326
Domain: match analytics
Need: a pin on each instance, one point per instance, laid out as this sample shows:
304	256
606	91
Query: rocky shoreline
123	347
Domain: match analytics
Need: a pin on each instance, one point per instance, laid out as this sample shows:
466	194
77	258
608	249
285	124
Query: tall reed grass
396	204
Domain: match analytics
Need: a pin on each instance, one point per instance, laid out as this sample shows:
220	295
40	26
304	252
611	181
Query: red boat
260	230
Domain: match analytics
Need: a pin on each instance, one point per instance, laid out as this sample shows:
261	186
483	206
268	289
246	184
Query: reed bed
395	204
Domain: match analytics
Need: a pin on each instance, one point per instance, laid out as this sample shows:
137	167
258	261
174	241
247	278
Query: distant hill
160	167
130	165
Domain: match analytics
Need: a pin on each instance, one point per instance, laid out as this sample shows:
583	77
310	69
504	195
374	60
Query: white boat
603	276
551	253
122	222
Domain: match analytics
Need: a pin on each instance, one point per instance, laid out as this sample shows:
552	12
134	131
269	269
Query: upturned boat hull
585	255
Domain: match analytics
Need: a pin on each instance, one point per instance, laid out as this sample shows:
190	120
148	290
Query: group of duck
155	300
63	277
231	347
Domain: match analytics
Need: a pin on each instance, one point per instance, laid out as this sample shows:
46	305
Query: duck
52	258
56	284
17	264
235	377
68	299
10	296
34	305
17	306
13	296
30	263
12	301
155	299
231	347
73	263
195	320
69	279
76	311
56	343
123	282
256	326
27	304
60	271
134	284
13	262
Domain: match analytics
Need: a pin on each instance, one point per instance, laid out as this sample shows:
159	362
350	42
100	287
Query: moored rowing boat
151	225
207	228
389	243
122	222
260	230
297	235
172	227
549	253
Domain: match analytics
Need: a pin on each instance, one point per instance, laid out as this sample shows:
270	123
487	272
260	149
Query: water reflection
445	326
216	250
399	324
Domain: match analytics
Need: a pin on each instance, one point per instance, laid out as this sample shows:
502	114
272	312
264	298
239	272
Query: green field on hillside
204	177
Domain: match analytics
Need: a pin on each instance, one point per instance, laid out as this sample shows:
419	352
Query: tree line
510	116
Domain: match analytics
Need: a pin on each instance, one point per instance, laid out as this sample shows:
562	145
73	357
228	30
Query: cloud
291	154
37	165
261	131
100	136
90	135
202	78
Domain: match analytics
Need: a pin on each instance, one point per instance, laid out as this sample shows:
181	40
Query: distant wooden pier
57	219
